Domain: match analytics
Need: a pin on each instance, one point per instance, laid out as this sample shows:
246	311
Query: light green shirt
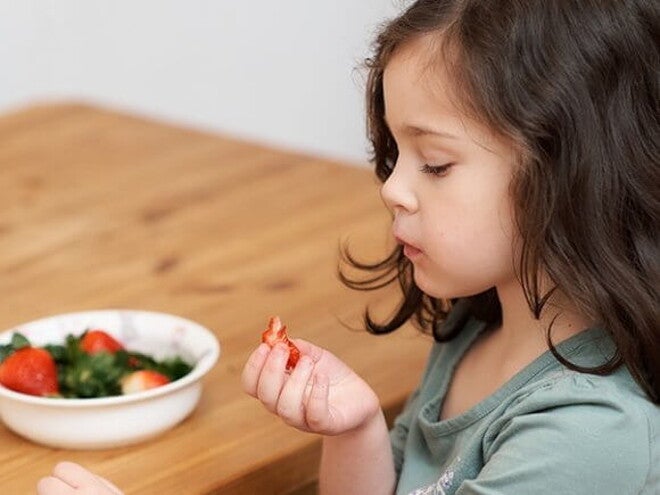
548	430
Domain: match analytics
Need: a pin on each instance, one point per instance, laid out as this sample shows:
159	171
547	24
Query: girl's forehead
420	91
420	61
418	86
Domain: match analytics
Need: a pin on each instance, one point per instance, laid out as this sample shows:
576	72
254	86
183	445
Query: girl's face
449	190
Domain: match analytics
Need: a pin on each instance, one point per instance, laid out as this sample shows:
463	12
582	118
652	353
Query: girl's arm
322	395
359	461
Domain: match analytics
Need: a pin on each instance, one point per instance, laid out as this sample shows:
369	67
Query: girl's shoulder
602	422
555	384
617	393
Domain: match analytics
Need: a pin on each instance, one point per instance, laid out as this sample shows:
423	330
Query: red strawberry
142	380
30	370
276	332
95	341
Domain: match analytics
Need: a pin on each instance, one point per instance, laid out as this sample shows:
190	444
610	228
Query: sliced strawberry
139	381
276	332
30	370
95	341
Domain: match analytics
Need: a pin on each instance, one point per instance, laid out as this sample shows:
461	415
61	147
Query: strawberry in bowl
28	369
139	381
97	340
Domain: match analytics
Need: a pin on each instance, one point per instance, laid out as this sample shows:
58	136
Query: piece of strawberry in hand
141	380
276	332
30	370
95	341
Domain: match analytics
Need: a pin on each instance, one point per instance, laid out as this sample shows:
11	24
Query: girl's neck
520	334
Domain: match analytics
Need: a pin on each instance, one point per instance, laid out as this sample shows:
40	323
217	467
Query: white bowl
121	420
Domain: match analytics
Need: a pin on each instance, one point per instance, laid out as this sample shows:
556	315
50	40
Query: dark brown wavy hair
575	85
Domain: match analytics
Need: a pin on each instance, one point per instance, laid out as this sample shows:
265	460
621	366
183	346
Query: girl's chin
445	290
435	290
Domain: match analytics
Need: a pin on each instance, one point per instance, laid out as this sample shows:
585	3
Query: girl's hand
72	479
321	394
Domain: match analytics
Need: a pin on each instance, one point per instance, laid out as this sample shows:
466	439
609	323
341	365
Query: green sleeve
574	436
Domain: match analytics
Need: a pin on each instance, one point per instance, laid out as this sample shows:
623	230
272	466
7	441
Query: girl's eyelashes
437	170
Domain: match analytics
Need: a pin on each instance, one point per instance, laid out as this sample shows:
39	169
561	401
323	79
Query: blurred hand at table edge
71	478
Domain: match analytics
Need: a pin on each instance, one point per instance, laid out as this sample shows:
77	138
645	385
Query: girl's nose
397	192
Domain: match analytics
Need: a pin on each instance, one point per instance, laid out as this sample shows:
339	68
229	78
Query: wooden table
104	210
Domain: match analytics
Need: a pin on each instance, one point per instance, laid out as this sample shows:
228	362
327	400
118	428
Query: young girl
518	144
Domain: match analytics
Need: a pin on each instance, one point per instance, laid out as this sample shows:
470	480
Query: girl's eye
437	170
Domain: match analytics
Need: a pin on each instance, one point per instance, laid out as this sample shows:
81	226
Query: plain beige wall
282	72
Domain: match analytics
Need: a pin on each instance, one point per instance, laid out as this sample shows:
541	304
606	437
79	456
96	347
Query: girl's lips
411	252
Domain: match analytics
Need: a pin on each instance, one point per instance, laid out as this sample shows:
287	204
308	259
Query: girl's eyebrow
420	130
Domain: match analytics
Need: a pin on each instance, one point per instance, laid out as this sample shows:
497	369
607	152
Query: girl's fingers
290	406
252	369
317	411
54	486
74	474
70	478
308	349
272	377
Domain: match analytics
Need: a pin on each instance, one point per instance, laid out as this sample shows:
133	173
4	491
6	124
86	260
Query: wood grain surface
101	209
